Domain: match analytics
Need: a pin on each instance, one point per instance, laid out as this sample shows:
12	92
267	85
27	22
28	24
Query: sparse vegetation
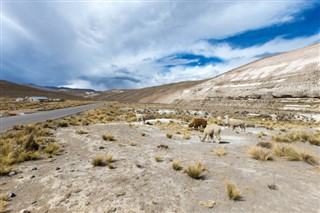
176	165
108	137
312	138
257	153
233	192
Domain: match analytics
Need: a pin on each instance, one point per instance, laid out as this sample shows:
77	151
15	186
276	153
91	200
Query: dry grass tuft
233	192
186	136
158	158
169	135
176	165
108	137
257	153
195	171
109	159
63	123
220	152
97	161
81	132
52	148
261	134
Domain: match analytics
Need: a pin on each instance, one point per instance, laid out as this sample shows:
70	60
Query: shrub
176	165
108	137
233	192
257	153
195	171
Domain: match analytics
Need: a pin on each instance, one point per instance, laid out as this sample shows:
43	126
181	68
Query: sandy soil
69	183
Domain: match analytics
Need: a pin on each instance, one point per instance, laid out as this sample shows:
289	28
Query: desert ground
137	175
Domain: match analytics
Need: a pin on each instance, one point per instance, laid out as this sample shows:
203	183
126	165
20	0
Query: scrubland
105	161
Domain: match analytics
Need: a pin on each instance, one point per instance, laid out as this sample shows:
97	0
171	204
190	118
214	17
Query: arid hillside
288	81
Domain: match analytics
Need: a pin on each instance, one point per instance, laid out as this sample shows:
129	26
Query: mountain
280	82
13	90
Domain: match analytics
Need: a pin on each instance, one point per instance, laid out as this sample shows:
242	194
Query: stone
208	203
12	195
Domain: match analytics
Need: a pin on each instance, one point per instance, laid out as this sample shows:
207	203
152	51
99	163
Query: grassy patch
257	153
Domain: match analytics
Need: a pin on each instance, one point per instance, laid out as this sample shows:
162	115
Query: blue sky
134	44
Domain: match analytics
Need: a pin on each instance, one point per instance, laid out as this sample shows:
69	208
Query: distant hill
59	88
145	95
13	90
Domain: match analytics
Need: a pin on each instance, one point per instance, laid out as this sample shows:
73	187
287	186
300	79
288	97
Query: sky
106	45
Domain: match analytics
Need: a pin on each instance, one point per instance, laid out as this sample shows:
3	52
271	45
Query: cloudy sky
132	44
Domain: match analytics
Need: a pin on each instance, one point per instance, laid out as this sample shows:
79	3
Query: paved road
8	122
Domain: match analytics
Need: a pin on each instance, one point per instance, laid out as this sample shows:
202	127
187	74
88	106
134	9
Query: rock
101	147
12	173
58	168
120	193
34	202
34	168
33	176
208	203
25	211
12	195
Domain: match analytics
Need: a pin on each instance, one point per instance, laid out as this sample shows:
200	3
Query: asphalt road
8	122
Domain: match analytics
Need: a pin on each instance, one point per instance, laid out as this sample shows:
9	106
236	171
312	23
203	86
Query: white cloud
101	39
